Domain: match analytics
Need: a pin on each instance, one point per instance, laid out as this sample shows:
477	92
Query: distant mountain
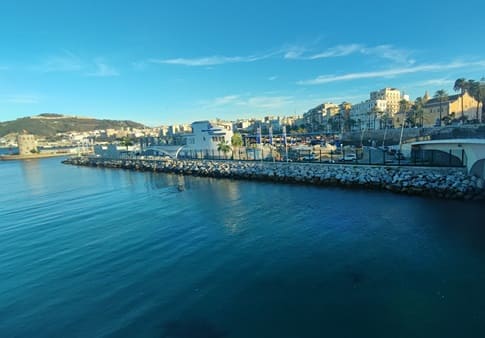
51	124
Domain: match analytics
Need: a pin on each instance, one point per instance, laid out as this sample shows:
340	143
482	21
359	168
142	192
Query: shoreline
444	183
31	157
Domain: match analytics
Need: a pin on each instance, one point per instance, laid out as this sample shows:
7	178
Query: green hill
51	124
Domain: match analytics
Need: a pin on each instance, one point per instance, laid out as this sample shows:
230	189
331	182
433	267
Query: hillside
50	124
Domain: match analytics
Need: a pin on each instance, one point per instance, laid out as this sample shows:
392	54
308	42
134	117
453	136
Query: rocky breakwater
446	183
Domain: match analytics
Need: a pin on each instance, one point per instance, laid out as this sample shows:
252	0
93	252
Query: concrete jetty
446	183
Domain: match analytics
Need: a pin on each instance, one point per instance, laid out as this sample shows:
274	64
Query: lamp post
481	94
400	138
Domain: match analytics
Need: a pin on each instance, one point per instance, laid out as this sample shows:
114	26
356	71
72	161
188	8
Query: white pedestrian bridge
172	151
473	149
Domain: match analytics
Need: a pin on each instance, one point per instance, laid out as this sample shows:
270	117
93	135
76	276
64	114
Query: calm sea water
88	252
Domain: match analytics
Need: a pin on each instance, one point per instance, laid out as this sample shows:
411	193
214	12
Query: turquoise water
88	252
9	151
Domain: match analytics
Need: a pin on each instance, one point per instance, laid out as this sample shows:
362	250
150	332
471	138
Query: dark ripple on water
191	328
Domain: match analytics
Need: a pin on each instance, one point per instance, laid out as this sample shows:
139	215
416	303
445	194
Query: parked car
349	157
310	157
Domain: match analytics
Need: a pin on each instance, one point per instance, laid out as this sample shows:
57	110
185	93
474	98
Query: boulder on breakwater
448	183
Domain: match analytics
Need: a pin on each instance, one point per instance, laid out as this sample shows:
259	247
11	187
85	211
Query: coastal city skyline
225	61
225	169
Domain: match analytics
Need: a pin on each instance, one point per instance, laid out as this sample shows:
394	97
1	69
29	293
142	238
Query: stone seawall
448	183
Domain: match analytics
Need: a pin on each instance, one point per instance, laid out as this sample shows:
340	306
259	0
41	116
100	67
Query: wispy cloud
295	53
272	78
139	65
323	79
68	61
65	62
21	99
434	82
103	69
248	102
225	100
388	52
337	51
211	60
269	102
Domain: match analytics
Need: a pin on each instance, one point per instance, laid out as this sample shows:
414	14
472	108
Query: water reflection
210	192
32	174
157	181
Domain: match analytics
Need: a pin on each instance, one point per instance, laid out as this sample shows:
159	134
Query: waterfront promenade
446	183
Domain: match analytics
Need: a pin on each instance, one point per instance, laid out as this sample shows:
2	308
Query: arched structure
474	150
172	151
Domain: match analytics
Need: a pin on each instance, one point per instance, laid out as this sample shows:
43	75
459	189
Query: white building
365	113
207	135
392	96
243	124
319	115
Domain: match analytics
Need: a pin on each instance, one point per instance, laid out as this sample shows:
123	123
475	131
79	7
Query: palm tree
369	113
418	110
442	96
347	124
375	112
126	141
334	123
461	85
383	117
224	147
236	141
404	107
477	93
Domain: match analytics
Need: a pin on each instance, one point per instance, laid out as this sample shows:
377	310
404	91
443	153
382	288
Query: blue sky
164	62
